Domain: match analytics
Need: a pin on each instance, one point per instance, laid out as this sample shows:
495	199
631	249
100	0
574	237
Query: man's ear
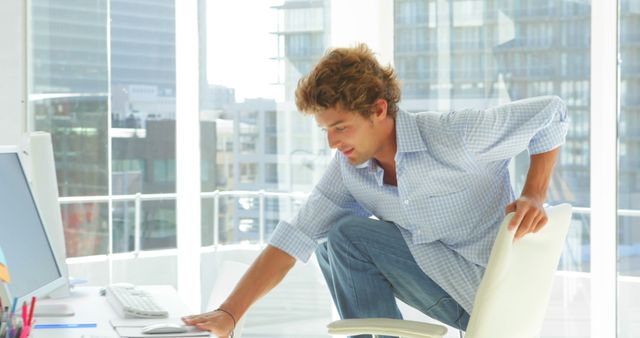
380	109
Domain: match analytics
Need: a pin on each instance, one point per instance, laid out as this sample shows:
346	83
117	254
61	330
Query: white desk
91	308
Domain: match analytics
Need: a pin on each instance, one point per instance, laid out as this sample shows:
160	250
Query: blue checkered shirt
453	186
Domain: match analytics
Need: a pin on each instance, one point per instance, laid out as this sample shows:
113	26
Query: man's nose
333	141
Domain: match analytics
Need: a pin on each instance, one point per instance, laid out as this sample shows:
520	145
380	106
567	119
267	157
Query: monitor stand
53	310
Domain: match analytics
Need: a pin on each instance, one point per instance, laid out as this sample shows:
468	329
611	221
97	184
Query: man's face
357	137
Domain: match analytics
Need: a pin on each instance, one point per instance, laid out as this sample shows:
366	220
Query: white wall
12	71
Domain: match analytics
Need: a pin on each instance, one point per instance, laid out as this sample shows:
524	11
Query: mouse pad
135	332
132	328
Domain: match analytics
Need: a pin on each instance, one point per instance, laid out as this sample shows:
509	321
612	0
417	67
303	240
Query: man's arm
499	133
263	275
329	202
529	211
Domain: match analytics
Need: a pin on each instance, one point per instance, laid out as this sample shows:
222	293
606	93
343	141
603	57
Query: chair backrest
514	293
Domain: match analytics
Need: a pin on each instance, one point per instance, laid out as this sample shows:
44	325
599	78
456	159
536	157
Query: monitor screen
23	239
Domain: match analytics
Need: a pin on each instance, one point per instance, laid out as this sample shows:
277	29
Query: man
438	185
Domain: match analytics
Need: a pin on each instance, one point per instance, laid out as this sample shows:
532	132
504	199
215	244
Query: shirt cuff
291	240
549	138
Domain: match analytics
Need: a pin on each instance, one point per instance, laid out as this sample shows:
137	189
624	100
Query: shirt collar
408	139
408	136
371	166
374	169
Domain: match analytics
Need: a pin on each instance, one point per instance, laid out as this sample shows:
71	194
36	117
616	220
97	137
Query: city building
475	54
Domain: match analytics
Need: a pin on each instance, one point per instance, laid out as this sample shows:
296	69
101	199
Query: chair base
386	326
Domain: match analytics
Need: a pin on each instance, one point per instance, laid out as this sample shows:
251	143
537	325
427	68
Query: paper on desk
134	332
131	328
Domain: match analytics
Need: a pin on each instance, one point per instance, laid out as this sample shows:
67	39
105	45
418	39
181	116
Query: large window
248	75
629	145
102	82
69	97
481	53
629	168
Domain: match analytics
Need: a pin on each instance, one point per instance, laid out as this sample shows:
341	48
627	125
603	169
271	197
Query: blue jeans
367	264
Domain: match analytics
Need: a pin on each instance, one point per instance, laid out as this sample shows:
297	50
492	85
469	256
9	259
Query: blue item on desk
65	326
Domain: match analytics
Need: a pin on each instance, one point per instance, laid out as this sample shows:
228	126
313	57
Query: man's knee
345	231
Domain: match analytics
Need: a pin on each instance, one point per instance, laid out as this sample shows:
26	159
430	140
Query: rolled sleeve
329	202
554	134
293	241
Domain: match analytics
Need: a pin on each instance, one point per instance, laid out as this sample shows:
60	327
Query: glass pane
272	207
68	90
124	218
68	97
629	170
576	256
143	112
453	55
78	131
227	221
69	93
158	225
252	137
207	216
629	246
143	96
86	228
246	217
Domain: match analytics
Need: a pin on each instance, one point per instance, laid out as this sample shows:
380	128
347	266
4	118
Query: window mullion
604	112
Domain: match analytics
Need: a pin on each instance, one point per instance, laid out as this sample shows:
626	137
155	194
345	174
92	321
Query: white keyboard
130	302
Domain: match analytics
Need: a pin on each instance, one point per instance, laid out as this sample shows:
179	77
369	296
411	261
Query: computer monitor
30	259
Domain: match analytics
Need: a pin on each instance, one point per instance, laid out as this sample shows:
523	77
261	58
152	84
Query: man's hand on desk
217	322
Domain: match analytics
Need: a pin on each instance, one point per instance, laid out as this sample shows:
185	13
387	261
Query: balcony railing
215	196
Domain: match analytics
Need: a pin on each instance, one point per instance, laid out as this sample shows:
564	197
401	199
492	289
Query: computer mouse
164	328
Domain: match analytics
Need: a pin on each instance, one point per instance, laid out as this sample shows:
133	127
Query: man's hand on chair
530	215
216	322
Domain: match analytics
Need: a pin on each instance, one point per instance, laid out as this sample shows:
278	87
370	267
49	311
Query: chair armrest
386	326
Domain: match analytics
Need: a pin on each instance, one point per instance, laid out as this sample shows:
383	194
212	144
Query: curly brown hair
352	78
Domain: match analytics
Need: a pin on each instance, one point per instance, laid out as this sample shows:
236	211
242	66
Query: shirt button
406	202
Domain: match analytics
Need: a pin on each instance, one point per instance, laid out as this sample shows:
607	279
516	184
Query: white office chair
513	295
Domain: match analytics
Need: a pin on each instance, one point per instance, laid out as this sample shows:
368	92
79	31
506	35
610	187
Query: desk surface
91	308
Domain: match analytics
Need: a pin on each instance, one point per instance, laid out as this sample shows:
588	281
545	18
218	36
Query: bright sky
240	45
